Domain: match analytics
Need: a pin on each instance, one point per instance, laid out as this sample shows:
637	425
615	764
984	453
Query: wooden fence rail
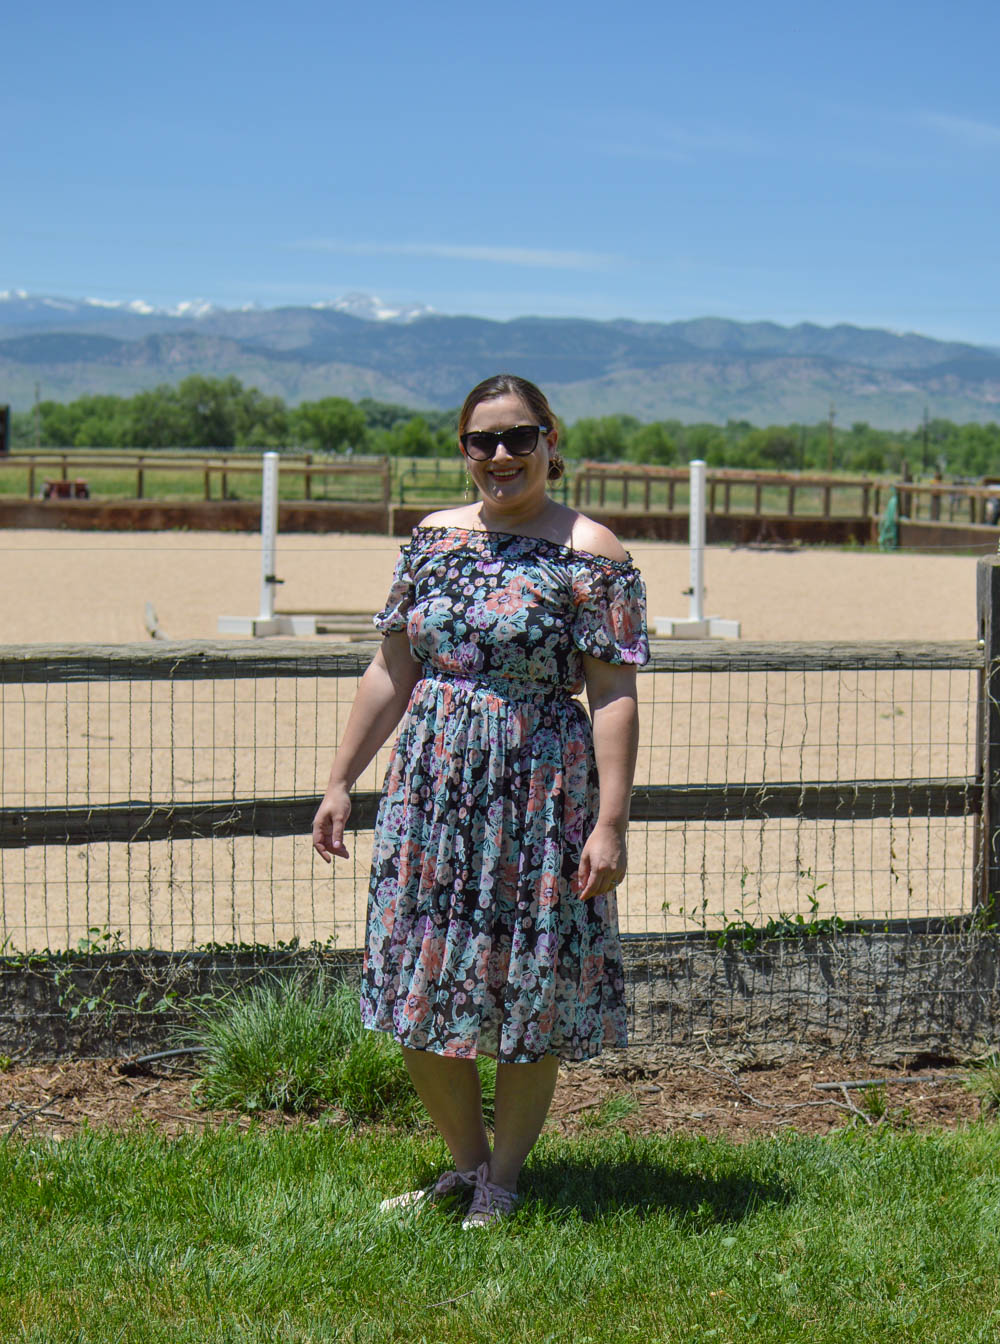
211	469
736	491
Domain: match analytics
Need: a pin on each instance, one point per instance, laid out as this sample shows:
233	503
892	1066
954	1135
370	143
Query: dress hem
486	1054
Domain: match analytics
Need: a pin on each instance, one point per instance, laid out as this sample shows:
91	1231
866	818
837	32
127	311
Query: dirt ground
714	1099
91	587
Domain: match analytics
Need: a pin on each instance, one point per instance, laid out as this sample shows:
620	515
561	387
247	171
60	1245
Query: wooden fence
818	976
215	470
788	494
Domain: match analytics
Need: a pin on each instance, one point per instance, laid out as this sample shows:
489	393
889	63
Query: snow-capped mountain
372	309
20	309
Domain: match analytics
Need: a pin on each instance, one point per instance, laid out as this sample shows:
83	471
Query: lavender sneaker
490	1203
446	1187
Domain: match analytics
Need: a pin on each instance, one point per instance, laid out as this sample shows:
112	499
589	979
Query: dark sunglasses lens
519	441
480	445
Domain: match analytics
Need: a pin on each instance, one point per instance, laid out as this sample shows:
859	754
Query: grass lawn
273	1235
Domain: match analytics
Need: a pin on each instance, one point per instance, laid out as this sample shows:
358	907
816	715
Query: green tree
415	438
652	443
331	425
604	439
154	420
209	409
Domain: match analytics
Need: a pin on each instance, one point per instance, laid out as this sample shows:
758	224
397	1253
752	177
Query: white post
266	623
268	535
697	625
696	534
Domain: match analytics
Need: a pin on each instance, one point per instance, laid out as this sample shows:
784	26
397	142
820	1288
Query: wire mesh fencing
158	798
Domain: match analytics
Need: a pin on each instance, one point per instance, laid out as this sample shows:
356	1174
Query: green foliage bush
297	1045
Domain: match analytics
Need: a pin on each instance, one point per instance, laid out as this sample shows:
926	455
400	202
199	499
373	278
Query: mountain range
709	369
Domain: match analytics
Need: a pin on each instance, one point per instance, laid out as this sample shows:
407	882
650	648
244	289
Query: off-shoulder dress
477	941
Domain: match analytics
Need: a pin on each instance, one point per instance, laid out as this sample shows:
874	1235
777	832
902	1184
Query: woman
500	839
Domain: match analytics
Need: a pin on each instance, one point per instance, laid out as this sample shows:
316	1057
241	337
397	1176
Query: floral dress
477	940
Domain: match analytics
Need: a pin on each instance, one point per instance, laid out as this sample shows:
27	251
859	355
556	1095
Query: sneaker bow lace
490	1203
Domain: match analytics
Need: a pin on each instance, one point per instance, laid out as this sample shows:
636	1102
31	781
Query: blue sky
793	162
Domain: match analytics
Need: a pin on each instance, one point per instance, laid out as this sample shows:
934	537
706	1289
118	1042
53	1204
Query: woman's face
506	481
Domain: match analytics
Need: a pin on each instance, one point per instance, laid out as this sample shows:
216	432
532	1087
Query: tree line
220	413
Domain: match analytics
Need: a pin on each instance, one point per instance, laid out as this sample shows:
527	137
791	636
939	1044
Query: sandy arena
89	587
98	742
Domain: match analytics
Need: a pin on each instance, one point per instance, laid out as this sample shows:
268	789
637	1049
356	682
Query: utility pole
926	458
829	439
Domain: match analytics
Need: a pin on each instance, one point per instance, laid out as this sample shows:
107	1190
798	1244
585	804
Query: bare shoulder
462	516
597	539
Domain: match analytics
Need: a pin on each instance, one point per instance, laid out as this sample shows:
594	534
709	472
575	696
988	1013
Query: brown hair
499	386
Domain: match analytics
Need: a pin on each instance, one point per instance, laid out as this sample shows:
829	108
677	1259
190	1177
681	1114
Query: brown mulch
713	1098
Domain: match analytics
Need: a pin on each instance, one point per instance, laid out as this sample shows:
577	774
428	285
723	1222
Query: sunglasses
519	440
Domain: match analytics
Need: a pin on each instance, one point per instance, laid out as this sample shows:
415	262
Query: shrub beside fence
813	857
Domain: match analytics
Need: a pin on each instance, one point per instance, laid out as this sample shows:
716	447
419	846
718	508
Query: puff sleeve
392	617
610	621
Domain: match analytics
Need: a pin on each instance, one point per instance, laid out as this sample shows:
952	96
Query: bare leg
524	1094
449	1088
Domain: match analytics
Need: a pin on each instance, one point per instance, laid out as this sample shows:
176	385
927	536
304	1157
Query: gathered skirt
477	941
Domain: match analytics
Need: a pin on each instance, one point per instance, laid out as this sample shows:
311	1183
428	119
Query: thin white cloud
540	257
635	135
974	134
675	146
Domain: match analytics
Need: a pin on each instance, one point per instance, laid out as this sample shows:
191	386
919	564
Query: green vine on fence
748	936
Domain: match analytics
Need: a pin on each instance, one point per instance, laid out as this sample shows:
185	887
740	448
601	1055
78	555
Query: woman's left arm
613	708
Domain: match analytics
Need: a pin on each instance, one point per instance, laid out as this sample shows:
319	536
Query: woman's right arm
383	694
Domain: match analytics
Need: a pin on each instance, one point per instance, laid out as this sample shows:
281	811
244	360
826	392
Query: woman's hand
603	861
329	822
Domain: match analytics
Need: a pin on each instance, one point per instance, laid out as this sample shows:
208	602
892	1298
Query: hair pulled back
502	385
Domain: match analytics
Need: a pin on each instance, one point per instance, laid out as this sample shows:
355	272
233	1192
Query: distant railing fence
214	469
789	494
814	856
601	485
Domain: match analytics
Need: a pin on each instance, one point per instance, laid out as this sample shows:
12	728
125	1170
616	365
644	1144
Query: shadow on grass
643	1185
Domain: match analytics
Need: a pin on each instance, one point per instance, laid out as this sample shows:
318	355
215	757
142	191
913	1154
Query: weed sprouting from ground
984	1081
611	1111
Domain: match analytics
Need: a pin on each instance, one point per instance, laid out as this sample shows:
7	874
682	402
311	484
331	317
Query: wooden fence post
986	852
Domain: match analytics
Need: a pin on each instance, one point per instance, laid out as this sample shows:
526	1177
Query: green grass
228	1238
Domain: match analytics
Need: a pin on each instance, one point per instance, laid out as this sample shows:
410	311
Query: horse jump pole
697	625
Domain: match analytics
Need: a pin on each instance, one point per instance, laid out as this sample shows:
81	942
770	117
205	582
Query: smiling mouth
506	475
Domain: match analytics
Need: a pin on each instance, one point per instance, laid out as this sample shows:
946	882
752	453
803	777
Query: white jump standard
267	623
697	625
